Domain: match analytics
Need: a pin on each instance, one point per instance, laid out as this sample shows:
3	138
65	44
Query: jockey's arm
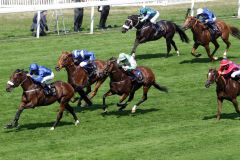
145	17
38	78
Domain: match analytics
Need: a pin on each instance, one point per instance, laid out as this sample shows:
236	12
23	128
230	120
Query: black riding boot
46	89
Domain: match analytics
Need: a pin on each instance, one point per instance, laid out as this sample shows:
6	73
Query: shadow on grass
128	112
90	108
152	55
201	60
233	116
32	126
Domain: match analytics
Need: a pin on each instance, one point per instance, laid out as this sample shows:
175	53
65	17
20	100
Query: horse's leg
195	46
80	99
60	113
168	42
235	103
97	85
219	111
208	52
70	109
144	98
21	107
175	47
225	40
136	43
83	95
122	105
14	123
109	93
216	48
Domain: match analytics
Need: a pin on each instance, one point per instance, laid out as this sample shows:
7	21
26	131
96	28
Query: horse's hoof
77	122
215	58
178	54
133	55
134	109
84	105
52	128
198	55
8	126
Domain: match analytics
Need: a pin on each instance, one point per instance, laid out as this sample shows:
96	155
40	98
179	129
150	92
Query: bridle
13	85
131	23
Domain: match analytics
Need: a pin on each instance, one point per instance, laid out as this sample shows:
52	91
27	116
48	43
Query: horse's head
64	60
16	79
190	21
109	67
211	77
131	21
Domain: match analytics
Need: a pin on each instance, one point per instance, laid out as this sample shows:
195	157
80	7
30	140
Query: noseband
131	23
12	84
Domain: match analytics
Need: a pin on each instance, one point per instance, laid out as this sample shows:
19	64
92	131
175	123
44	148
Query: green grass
179	125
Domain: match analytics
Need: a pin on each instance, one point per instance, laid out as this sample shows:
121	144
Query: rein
131	23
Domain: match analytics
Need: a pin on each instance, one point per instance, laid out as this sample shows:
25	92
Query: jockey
129	65
85	59
149	14
208	18
41	75
229	68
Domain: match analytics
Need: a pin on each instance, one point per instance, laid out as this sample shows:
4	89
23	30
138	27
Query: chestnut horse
147	31
77	76
202	36
121	84
226	89
33	96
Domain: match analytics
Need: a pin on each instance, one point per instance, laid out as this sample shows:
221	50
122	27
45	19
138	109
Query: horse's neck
198	29
28	84
117	75
221	82
71	70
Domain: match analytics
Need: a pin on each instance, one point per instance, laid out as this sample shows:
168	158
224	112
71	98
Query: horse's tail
235	32
161	88
182	34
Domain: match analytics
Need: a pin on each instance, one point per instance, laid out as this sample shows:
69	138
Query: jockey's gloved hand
125	68
83	64
206	21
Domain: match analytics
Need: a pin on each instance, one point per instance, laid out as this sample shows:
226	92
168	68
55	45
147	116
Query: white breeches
153	20
234	74
48	78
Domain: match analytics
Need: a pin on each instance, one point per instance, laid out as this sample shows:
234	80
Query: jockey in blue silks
208	18
41	75
85	59
149	14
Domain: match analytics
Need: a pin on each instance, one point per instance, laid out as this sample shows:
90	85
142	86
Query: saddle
91	70
136	76
49	89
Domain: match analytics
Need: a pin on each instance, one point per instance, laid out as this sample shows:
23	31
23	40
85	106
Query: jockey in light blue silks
129	65
149	14
207	17
86	60
41	75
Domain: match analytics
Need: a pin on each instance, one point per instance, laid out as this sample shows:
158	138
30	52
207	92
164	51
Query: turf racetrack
179	125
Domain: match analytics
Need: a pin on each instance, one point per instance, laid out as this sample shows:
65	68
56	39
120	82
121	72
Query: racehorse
33	96
147	31
202	36
77	76
121	84
227	88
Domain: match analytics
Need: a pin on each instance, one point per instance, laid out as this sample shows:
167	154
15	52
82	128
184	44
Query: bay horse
33	96
202	35
147	31
121	84
227	88
78	77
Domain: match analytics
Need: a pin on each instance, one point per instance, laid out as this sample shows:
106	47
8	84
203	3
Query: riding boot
47	91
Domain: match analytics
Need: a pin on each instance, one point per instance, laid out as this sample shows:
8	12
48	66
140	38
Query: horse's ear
188	13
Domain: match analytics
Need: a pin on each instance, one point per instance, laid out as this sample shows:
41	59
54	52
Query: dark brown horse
226	89
121	84
77	76
33	96
202	35
150	32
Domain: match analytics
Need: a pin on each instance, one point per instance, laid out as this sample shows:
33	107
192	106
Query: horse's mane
133	16
20	70
112	59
